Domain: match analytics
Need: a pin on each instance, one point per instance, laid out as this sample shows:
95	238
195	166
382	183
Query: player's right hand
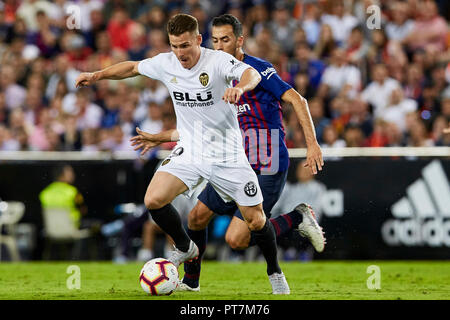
144	141
314	158
86	79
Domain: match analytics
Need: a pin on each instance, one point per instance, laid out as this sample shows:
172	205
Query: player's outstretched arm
122	70
147	141
314	158
249	80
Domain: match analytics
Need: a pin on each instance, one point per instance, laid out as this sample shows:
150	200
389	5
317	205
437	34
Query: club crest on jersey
204	79
250	189
165	162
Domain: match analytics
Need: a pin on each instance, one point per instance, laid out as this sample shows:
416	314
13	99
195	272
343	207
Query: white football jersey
207	125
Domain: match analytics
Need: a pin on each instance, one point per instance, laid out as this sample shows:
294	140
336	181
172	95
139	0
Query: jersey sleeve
229	67
271	81
151	67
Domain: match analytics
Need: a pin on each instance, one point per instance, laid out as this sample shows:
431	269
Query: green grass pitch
343	280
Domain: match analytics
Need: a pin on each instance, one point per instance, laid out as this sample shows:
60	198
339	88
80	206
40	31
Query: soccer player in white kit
210	143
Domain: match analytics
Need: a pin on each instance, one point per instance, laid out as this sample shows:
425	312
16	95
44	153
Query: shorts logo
204	79
177	152
250	189
165	162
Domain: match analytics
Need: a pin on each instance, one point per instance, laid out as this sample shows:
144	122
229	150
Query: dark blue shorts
271	187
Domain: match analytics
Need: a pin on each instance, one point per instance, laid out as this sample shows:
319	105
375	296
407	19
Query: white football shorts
235	181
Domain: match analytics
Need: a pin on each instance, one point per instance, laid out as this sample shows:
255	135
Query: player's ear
240	41
199	39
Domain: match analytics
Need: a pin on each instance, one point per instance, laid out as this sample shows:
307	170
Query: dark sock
265	240
283	225
192	268
168	219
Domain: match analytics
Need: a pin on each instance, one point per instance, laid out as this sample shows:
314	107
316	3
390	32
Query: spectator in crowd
28	12
283	26
341	22
153	123
7	143
400	26
440	123
316	109
429	30
418	135
119	29
397	109
303	85
62	193
45	38
326	43
394	136
356	48
111	109
4	111
339	78
378	136
126	119
89	115
353	136
311	23
361	116
304	62
378	92
71	137
87	7
154	91
138	47
89	140
121	139
64	72
15	94
331	139
414	81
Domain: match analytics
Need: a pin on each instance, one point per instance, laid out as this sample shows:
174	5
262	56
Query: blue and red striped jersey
260	119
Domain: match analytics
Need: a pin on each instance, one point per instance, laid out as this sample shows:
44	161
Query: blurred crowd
366	84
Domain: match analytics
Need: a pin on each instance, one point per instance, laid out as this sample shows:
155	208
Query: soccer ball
159	277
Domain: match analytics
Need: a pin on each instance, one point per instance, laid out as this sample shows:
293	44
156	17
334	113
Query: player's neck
239	54
197	58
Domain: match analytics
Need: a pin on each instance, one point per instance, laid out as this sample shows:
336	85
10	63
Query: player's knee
235	243
198	219
153	202
256	223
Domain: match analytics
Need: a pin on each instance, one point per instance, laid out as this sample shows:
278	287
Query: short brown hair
181	23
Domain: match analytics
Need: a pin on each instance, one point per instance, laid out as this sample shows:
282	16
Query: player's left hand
314	158
232	95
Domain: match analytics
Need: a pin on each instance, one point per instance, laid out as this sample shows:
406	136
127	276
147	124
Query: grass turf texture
232	281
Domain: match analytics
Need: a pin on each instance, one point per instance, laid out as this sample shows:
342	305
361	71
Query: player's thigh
162	189
210	198
237	182
200	216
238	234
